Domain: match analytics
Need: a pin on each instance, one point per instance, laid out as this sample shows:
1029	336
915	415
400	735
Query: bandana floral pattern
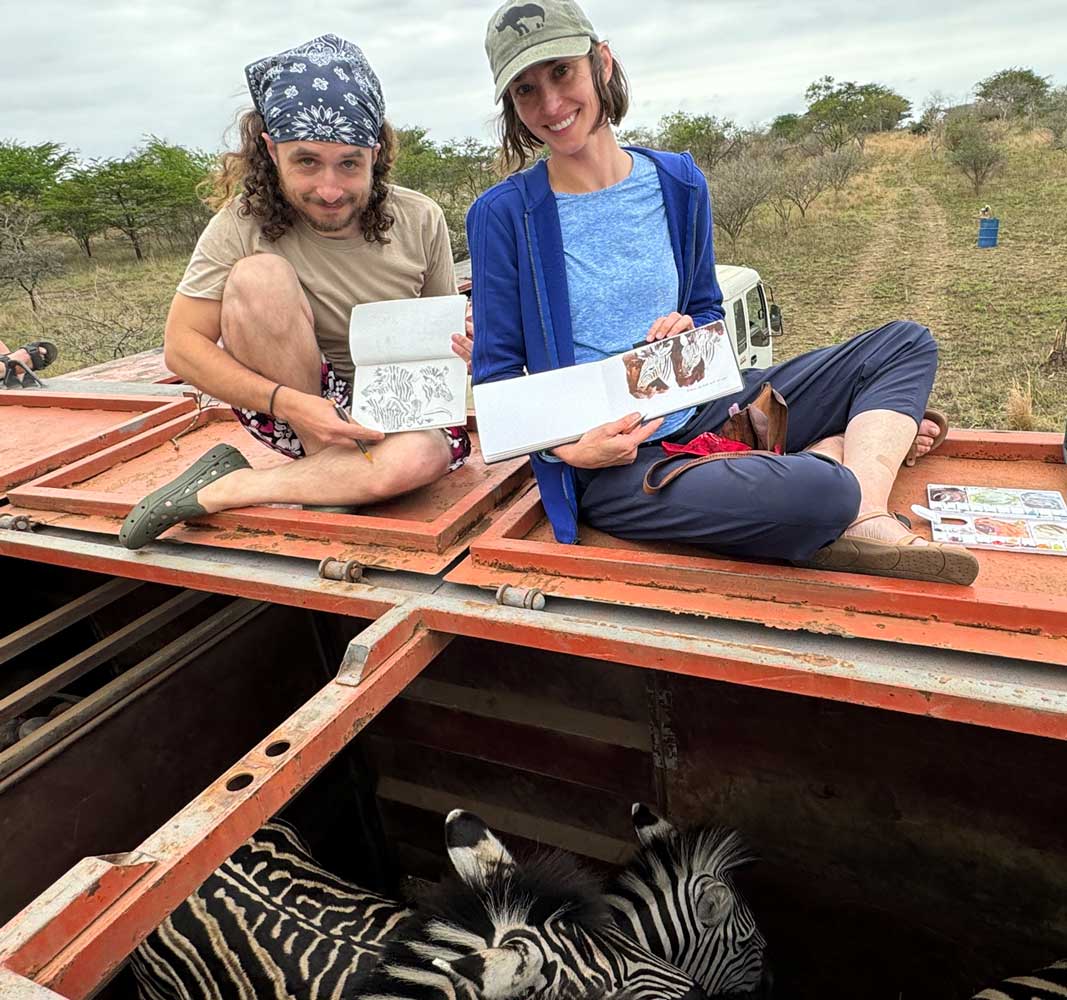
339	99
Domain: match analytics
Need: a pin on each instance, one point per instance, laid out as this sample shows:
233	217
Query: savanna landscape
888	230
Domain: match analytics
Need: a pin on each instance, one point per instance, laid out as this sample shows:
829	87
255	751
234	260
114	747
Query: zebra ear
714	904
648	826
473	848
497	973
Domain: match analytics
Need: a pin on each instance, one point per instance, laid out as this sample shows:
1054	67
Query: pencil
347	418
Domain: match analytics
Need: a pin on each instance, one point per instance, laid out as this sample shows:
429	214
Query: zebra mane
451	918
715	850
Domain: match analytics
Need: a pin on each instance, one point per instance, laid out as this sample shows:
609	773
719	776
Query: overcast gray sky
99	74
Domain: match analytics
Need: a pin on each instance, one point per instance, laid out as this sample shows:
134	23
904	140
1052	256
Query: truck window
759	333
740	328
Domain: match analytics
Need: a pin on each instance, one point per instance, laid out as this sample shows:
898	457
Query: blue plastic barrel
987	232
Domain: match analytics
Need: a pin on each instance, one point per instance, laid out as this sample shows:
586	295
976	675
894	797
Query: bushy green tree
72	207
708	138
972	149
27	172
842	112
1013	93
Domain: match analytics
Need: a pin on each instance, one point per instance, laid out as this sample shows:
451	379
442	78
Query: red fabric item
705	444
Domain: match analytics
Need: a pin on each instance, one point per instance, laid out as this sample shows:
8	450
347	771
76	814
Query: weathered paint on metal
86	940
44	430
1017	609
83	951
430	523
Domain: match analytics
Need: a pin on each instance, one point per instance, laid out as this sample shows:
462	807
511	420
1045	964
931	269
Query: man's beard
332	225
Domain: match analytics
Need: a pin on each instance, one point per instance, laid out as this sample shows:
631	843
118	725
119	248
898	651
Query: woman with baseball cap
596	246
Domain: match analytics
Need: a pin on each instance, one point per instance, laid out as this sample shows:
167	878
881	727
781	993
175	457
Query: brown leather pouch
761	425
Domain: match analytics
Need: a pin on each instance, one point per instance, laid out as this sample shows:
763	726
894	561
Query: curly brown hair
250	175
519	146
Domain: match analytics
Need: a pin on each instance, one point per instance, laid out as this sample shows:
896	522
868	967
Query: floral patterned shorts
277	434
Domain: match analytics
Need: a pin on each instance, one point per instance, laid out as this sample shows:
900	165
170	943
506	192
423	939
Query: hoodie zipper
692	251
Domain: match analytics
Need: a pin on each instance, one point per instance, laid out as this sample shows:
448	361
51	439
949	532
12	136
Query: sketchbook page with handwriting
407	376
522	415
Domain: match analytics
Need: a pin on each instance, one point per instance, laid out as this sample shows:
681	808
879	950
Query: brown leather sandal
937	562
942	432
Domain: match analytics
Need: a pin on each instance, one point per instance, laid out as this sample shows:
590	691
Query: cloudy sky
98	75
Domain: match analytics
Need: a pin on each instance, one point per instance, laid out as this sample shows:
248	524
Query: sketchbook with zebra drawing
407	377
522	415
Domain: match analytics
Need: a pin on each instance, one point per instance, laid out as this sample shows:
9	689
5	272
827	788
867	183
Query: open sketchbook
521	415
407	377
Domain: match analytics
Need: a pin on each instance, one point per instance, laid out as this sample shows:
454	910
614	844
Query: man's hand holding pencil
321	422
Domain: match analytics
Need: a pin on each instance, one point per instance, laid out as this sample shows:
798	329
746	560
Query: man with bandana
307	227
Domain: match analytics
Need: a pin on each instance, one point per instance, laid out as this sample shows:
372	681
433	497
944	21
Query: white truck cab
750	318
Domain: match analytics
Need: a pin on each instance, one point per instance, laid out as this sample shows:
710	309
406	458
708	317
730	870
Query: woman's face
557	101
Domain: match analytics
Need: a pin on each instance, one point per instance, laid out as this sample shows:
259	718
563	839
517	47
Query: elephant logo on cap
516	18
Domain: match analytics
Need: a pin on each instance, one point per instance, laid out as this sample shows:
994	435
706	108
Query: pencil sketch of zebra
677	898
270	922
1049	983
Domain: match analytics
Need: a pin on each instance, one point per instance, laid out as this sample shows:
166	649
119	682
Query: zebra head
677	899
501	930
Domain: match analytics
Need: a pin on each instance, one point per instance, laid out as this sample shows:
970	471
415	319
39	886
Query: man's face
326	183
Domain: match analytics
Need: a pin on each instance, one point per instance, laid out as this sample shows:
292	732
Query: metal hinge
347	571
520	597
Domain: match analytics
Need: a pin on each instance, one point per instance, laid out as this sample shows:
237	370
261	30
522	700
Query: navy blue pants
778	507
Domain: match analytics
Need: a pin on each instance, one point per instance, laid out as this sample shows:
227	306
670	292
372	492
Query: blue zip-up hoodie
522	317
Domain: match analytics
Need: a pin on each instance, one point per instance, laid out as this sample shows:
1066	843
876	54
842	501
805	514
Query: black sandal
13	369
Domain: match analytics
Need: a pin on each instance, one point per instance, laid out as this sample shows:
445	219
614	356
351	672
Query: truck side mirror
776	319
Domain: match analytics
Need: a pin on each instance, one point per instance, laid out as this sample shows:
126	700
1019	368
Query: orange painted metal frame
437	539
77	933
975	619
145	412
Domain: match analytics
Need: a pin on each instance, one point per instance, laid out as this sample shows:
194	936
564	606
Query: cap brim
557	48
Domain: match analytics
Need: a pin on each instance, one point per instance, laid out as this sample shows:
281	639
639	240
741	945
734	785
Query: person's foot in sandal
880	545
933	429
177	500
20	365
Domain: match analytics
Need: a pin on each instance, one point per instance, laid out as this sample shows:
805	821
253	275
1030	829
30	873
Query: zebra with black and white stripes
271	923
1049	983
677	899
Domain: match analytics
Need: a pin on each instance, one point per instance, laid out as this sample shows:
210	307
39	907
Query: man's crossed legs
267	325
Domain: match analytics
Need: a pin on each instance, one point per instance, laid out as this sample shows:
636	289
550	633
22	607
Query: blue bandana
321	91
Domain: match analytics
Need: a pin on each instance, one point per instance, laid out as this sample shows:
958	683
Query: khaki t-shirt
336	274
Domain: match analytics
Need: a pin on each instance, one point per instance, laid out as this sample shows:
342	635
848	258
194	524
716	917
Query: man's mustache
312	200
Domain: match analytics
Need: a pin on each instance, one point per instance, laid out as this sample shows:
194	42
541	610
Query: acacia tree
708	138
973	150
738	187
802	182
1013	93
840	166
24	261
72	207
842	112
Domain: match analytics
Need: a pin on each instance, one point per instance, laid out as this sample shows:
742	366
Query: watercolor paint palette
986	517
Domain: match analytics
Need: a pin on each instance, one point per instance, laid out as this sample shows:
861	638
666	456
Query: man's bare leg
267	325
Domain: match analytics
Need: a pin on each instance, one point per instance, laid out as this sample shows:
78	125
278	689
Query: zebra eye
714	904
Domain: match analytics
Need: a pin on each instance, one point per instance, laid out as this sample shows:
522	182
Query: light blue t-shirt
621	275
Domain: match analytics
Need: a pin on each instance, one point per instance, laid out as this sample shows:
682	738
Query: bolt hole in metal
239	781
278	748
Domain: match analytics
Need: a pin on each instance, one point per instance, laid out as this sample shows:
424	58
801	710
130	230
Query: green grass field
899	242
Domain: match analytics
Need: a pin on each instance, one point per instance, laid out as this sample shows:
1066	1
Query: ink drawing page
672	374
407	377
521	415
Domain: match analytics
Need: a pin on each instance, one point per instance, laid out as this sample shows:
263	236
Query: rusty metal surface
74	949
85	941
148	366
423	531
43	430
1018	608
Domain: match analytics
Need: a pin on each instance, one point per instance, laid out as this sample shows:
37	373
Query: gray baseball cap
521	34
